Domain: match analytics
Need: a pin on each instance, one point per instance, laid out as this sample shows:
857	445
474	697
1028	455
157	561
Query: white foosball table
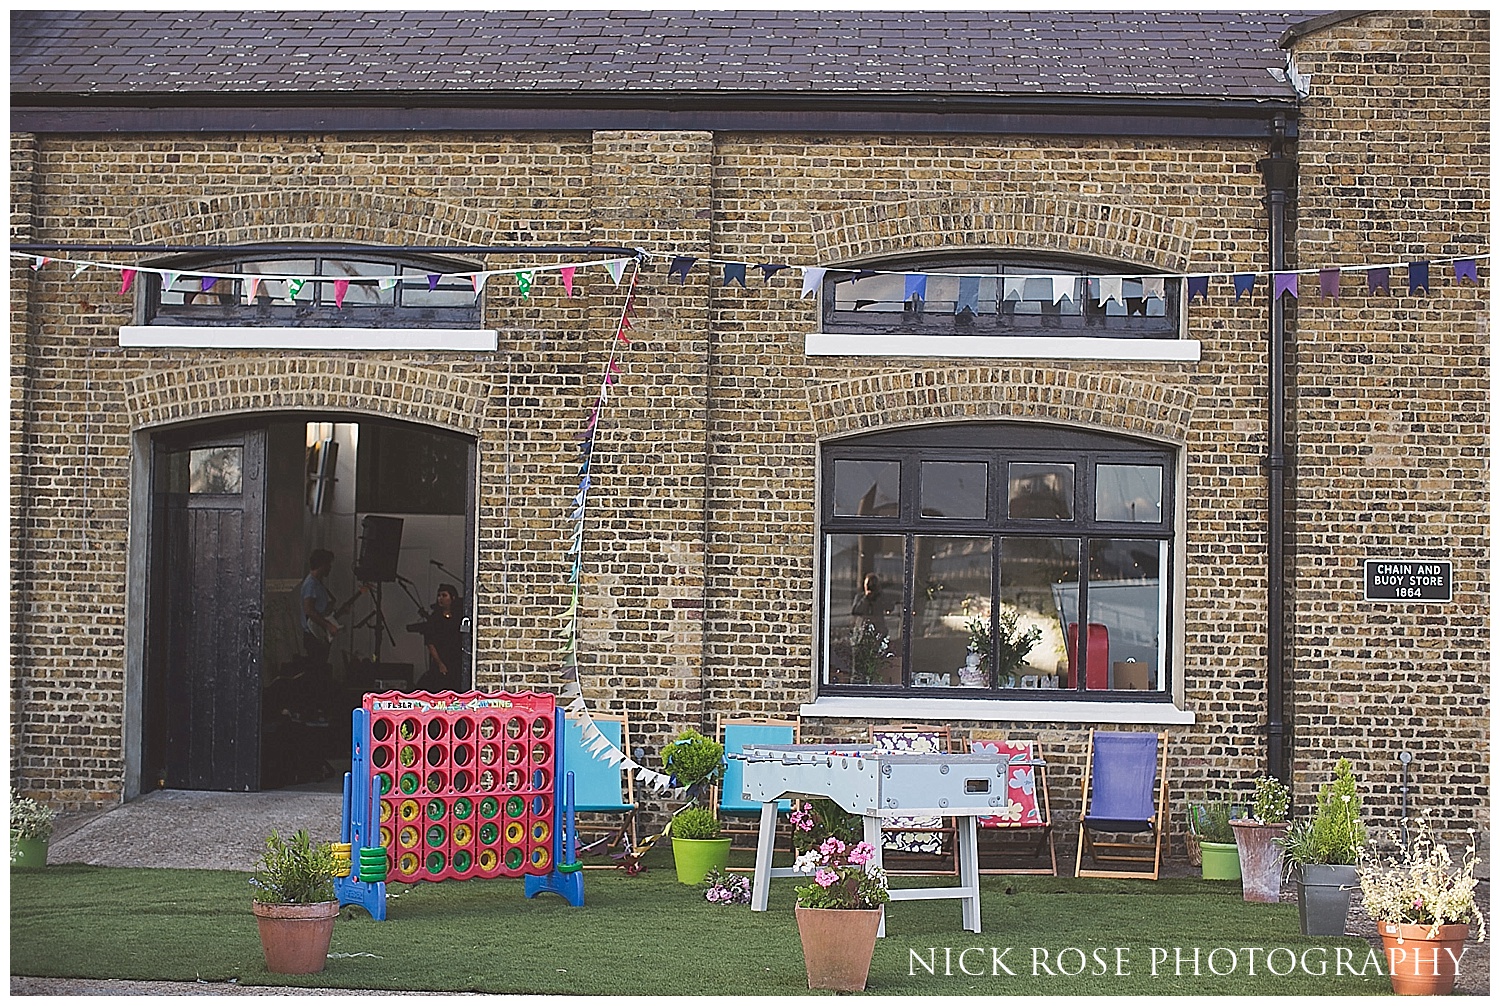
877	785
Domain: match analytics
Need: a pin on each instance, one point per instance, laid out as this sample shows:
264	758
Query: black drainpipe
1279	171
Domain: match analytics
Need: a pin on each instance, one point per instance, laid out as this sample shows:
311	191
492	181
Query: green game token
488	832
462	808
436	809
462	861
514	858
437	835
515	807
489	806
435	862
410	783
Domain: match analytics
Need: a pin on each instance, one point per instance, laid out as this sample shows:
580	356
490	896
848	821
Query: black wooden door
206	587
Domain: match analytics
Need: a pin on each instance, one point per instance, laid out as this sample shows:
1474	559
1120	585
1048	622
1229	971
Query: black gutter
333	248
1279	172
719	112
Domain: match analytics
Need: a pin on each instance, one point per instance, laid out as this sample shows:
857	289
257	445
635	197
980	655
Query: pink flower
861	854
826	878
832	846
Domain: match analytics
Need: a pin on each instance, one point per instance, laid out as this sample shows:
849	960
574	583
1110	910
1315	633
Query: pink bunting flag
127	277
38	262
340	288
252	284
567	278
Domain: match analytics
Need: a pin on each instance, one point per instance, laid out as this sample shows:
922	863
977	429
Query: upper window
978	296
313	291
962	560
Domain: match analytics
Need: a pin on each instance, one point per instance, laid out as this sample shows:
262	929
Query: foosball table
878	785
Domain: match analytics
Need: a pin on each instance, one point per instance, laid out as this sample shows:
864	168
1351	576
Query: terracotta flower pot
295	938
1260	859
837	945
1420	966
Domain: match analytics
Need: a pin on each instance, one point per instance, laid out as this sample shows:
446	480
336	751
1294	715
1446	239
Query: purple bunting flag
207	283
1283	283
432	281
1377	280
1197	288
1416	277
1466	269
1243	284
1328	283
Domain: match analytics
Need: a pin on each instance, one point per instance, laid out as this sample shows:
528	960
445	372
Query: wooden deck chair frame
1037	837
947	831
747	825
1124	852
622	836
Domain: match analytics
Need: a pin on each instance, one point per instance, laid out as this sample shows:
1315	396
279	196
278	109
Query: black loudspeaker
379	549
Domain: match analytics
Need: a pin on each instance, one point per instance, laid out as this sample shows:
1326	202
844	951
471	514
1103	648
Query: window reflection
1128	493
1126	591
866	488
1040	491
1038	597
866	574
954	489
950	628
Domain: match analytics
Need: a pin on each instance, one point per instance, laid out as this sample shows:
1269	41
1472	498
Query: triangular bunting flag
734	272
432	281
577	705
1243	284
1466	269
769	269
1013	289
812	278
1111	288
388	282
340	291
1283	283
567	272
1416	277
1378	279
615	268
38	262
252	284
81	268
1197	288
679	266
127	277
207	283
1062	286
524	281
968	295
916	286
478	280
1154	286
294	287
1328	283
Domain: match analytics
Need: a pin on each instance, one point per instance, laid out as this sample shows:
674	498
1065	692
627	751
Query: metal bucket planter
1323	896
1260	859
1221	860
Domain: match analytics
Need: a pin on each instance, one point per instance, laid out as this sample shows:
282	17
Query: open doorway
236	699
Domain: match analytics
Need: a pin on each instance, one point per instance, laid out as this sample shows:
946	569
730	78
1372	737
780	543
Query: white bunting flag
616	269
812	278
1154	286
80	269
1111	288
1062	286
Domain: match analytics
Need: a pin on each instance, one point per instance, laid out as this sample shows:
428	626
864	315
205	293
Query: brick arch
313	214
1111	402
343	384
1022	222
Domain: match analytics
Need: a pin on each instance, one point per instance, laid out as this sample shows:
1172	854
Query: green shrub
1210	822
1271	801
1336	834
695	822
294	873
30	819
694	761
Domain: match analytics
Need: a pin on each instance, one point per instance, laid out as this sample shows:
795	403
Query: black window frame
319	308
998	443
1084	319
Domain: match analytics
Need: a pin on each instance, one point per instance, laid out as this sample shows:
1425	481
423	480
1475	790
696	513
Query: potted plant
839	912
1221	857
294	903
1322	853
1258	839
1422	906
696	763
30	831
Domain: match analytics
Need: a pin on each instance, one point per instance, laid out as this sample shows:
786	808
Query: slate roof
1186	55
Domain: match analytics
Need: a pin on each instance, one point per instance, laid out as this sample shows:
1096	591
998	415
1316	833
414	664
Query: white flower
807	862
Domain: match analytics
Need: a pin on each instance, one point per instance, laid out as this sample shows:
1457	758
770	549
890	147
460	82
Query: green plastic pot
696	857
30	853
1221	860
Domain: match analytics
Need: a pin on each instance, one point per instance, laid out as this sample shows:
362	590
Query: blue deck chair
738	815
600	788
1124	793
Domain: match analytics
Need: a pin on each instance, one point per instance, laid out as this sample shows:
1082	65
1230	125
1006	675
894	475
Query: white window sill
1004	347
1060	711
253	337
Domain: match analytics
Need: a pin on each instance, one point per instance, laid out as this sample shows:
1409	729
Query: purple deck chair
1124	793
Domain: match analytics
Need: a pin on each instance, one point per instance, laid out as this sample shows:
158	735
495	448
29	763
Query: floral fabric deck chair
1028	812
1124	792
919	837
599	788
737	815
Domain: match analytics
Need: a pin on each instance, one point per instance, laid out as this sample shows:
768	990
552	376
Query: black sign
1408	580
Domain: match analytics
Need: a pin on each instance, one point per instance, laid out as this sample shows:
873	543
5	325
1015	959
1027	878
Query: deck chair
918	837
737	815
599	788
1124	792
1027	818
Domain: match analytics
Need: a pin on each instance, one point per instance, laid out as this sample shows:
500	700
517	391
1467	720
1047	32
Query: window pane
871	295
359	294
866	488
215	470
1127	600
954	489
1128	493
951	612
448	293
866	575
1042	491
1038	600
279	290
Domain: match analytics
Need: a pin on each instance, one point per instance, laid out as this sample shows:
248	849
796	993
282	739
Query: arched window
962	560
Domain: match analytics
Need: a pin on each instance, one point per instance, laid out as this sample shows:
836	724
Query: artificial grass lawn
649	935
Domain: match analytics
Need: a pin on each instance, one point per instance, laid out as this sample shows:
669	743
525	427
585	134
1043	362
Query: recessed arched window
975	559
978	295
356	291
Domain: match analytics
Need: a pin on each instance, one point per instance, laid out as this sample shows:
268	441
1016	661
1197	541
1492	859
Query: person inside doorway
318	626
445	654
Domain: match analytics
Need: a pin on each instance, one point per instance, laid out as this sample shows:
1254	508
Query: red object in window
1097	678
